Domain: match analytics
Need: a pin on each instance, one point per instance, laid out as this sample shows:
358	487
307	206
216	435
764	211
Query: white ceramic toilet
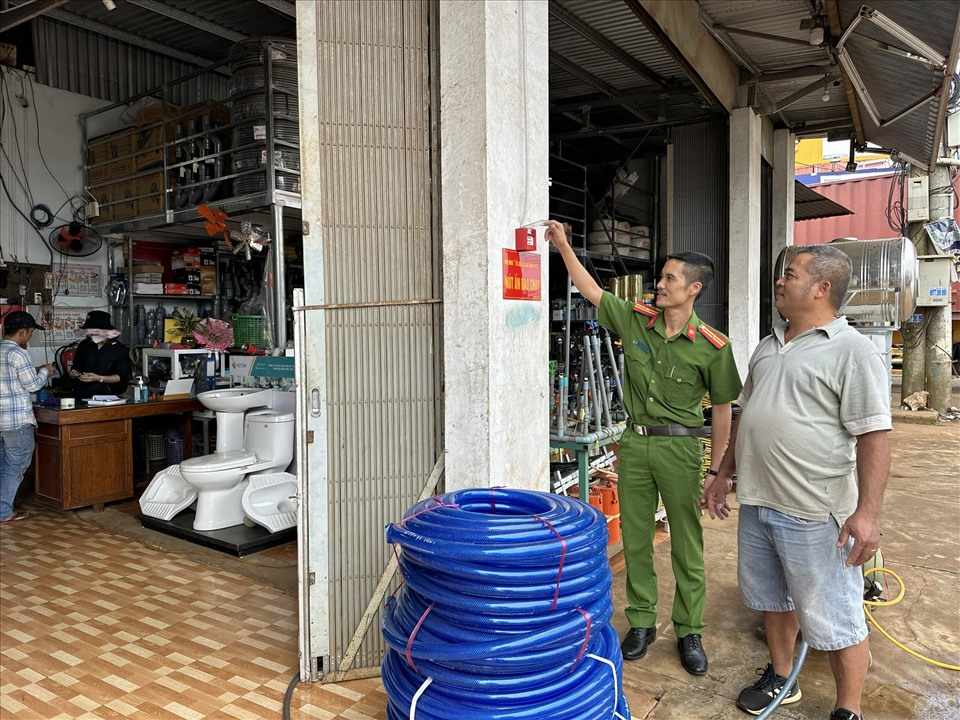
220	479
250	439
270	500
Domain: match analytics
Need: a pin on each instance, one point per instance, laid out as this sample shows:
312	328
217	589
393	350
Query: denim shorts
790	564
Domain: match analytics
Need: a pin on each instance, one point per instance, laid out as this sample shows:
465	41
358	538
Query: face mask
101	336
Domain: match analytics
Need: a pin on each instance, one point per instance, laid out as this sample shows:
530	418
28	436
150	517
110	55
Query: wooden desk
85	456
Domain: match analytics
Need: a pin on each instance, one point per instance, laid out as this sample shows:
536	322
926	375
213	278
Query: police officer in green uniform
672	360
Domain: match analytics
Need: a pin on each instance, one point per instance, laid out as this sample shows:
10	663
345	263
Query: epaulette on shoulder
713	337
647	310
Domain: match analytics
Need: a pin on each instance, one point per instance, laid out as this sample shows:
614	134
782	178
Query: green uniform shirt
667	378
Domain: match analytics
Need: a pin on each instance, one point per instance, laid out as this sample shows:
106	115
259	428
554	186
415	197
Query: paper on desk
104	400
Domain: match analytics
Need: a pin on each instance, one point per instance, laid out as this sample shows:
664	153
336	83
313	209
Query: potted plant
186	323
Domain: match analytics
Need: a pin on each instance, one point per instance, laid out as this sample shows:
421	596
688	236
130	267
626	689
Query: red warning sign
521	275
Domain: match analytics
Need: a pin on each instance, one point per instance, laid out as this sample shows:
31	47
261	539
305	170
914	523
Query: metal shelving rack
133	299
280	206
570	201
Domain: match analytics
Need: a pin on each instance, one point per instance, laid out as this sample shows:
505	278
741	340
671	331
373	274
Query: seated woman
101	365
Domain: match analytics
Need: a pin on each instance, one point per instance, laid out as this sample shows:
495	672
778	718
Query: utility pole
914	330
938	340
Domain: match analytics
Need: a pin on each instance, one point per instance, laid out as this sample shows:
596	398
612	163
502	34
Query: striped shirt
17	380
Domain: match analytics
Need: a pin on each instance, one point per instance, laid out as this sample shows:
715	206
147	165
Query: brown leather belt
672	430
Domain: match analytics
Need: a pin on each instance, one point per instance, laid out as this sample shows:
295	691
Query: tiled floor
96	625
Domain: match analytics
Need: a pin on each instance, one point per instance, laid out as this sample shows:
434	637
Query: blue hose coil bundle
504	613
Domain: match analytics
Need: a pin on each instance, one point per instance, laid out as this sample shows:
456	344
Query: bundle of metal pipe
589	383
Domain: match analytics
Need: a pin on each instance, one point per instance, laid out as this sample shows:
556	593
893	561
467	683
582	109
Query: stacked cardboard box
185	271
125	168
148	278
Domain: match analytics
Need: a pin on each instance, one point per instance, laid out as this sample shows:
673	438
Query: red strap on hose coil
586	637
413	636
563	559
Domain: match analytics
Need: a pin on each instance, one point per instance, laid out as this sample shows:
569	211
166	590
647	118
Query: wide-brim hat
97	320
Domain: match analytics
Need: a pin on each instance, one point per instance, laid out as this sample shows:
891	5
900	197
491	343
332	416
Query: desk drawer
111	429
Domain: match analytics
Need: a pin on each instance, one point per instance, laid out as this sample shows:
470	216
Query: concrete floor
921	542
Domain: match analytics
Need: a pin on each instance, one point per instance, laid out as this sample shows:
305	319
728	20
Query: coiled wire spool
247	61
251	107
286	130
283	159
253	78
506	609
252	52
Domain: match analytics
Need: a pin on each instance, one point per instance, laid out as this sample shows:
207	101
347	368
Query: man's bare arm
716	489
873	470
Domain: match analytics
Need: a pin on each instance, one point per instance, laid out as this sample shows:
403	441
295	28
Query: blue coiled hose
506	598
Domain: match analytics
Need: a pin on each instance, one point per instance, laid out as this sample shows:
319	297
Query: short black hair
699	267
830	264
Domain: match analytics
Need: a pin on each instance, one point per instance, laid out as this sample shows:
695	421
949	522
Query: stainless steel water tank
883	287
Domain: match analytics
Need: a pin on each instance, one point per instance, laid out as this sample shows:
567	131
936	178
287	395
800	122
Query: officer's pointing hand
557	234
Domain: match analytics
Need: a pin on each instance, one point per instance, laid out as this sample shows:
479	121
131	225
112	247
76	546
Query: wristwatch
712	472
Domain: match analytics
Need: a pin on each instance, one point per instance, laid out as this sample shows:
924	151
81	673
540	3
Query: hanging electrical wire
896	214
953	103
16	134
36	117
505	613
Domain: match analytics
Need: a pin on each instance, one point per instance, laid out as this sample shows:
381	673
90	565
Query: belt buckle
641	430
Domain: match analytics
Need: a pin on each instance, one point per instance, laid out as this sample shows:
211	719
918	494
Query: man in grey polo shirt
811	456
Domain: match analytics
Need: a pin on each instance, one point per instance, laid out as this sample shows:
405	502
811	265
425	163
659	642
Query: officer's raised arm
584	281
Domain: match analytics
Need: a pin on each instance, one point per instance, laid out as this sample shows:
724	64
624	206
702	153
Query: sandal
15	517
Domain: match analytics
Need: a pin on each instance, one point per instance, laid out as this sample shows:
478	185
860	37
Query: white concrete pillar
744	296
494	97
784	196
784	189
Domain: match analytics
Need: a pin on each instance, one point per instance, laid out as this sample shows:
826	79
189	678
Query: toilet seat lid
220	461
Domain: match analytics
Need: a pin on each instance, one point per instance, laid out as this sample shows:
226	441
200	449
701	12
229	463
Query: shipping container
867	199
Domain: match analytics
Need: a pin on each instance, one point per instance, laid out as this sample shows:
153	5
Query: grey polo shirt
804	402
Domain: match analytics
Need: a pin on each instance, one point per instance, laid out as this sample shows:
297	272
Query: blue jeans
790	564
16	451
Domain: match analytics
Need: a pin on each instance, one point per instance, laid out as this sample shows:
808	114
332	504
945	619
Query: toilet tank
269	435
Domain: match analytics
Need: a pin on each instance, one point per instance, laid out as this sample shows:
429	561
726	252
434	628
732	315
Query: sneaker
15	518
844	714
754	699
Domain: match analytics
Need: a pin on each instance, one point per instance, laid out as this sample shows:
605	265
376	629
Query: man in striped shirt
18	379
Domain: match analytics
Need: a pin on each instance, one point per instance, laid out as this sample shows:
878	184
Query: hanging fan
75	240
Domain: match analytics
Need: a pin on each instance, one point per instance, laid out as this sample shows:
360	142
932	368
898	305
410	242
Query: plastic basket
248	330
155	446
174	455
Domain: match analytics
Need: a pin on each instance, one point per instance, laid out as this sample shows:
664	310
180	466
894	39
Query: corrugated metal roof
135	20
618	24
255	19
811	106
809	205
88	63
249	18
867	200
782	18
894	83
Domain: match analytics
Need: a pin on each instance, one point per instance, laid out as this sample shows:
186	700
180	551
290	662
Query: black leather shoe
636	642
692	656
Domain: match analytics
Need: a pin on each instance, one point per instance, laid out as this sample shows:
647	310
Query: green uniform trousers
670	466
